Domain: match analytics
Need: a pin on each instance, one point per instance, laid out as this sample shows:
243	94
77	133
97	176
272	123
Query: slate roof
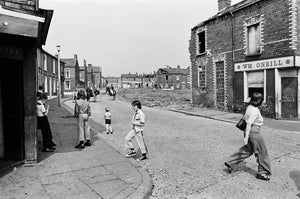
229	10
70	62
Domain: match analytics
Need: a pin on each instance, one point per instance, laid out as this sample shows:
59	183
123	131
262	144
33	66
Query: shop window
201	42
67	85
253	39
201	75
256	83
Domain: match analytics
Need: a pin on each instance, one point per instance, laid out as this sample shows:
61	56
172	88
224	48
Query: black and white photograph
150	99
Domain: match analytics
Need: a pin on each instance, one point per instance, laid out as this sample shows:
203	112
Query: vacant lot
167	99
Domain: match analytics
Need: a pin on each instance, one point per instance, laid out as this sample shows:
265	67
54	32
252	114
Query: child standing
138	122
107	118
82	112
43	122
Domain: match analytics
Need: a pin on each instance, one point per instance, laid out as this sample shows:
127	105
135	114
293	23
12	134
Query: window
256	82
53	66
167	77
46	85
201	42
201	76
67	85
54	85
67	73
253	39
45	62
177	77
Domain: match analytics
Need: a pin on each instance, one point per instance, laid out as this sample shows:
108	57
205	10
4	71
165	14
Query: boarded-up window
255	82
202	81
254	39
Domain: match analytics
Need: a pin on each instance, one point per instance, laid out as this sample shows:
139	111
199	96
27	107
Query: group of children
82	112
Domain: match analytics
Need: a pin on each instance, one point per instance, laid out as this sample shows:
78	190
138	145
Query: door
11	82
220	91
289	86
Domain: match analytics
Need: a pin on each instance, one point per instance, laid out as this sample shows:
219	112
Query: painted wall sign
281	62
13	52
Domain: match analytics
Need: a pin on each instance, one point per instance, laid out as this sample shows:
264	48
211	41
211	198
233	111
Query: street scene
149	99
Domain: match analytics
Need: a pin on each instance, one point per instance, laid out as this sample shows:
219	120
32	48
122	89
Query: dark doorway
289	87
11	82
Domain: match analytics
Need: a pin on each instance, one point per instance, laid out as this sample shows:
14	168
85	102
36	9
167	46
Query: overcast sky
125	36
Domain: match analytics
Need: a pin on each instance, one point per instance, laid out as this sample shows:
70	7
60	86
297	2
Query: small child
107	118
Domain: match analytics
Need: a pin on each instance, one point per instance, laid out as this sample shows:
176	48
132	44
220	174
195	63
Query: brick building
130	80
248	47
48	72
72	79
23	29
173	78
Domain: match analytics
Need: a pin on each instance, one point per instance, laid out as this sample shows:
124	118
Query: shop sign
282	62
12	52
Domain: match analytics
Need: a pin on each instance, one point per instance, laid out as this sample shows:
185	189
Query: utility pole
59	82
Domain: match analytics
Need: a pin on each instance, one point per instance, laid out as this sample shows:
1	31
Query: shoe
48	150
229	168
142	158
131	154
111	132
107	132
88	143
263	176
80	146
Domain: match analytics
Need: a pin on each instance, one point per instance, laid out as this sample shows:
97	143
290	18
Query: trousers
256	145
139	139
83	127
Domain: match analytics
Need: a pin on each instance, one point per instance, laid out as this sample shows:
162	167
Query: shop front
20	35
277	79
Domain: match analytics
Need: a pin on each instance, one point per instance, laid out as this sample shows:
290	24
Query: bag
85	117
241	124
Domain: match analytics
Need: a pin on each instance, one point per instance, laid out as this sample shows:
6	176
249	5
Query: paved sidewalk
98	171
286	125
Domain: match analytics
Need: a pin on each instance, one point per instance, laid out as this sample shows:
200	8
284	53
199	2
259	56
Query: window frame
202	70
67	71
257	40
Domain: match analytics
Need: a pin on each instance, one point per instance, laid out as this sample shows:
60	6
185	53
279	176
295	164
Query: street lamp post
58	71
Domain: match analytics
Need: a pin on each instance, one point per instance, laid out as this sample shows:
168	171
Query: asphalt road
186	154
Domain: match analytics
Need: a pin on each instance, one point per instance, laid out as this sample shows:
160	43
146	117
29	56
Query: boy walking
138	122
107	118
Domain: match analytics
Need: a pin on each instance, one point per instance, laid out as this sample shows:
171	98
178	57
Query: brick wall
20	4
279	32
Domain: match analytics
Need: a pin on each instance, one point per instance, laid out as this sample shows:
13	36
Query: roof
96	69
175	71
130	75
70	62
229	10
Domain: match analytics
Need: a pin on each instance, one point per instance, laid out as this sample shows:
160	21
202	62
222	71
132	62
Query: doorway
289	86
12	122
220	86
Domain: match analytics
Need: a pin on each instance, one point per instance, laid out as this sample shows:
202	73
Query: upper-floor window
67	73
53	66
177	77
167	77
253	39
45	62
201	42
201	76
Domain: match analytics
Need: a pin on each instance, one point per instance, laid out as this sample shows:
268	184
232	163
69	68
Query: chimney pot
223	4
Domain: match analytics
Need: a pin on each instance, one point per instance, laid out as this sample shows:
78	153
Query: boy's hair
256	99
106	109
137	103
42	96
81	94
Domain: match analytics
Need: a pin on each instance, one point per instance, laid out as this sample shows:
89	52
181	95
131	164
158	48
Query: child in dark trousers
107	118
138	122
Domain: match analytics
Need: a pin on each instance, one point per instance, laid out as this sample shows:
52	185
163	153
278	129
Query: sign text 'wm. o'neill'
281	62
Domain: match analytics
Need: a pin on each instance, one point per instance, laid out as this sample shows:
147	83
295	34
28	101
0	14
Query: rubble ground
165	99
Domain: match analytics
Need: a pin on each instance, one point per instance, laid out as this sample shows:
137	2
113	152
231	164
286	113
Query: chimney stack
223	4
75	57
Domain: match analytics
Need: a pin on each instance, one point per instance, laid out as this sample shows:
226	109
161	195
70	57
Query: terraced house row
248	47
